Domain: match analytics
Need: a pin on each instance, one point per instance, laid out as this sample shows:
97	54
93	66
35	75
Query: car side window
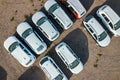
45	34
87	25
89	28
111	25
66	3
95	36
66	63
41	29
105	17
61	56
52	15
27	52
53	63
59	22
21	46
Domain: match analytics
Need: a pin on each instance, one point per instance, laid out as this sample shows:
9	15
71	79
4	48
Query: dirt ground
99	63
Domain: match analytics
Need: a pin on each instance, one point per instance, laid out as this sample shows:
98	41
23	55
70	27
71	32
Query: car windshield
41	21
27	33
59	77
13	46
44	60
117	25
40	48
102	36
74	64
53	8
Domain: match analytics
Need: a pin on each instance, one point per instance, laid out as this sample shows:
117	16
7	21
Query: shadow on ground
3	74
34	73
87	3
78	41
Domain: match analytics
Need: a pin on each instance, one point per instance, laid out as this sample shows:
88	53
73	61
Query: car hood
105	42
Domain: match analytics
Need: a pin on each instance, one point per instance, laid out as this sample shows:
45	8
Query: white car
53	8
45	26
33	40
110	19
75	7
69	58
19	51
97	31
51	69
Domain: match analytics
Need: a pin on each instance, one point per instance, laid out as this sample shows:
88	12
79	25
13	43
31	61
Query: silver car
69	58
51	69
34	41
45	26
97	31
19	51
53	8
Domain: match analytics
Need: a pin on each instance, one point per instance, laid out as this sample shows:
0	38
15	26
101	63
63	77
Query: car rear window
13	46
44	60
27	33
53	8
41	21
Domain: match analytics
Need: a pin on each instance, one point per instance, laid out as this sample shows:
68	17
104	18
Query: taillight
76	15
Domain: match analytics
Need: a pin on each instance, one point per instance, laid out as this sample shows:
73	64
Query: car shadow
78	43
59	62
87	3
3	74
34	73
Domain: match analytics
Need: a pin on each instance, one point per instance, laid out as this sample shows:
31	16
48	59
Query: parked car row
109	18
75	7
18	50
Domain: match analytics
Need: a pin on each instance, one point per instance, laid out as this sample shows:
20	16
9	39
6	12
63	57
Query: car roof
62	16
65	52
10	40
111	14
37	16
50	68
94	24
49	3
22	27
48	29
77	5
